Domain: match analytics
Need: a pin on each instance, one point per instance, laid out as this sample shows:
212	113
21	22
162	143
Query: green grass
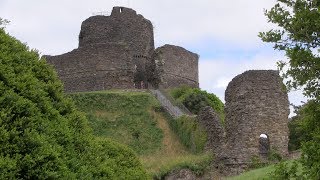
132	118
164	165
122	116
256	174
190	133
260	173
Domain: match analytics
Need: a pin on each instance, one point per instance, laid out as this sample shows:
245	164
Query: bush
42	135
298	127
308	138
310	144
296	134
274	156
286	170
256	162
194	99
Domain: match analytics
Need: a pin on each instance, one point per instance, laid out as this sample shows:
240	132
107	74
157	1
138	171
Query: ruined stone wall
256	103
210	121
95	67
180	66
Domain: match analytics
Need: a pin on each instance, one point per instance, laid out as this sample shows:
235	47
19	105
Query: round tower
257	110
123	26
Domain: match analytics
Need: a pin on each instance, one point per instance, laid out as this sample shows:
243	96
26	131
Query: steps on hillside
173	110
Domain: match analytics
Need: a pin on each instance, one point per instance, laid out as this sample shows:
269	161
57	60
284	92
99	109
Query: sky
223	32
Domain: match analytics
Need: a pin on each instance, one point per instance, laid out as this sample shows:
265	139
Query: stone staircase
167	102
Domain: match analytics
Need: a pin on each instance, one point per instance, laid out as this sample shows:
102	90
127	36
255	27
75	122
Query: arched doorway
264	144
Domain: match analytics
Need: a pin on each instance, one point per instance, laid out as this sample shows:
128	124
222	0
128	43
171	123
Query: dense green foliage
298	128
124	117
194	99
310	158
287	170
42	135
296	134
298	36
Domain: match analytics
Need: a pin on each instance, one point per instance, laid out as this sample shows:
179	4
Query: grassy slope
123	117
172	154
130	118
256	174
261	173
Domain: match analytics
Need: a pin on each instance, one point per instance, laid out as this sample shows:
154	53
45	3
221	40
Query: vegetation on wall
194	99
42	135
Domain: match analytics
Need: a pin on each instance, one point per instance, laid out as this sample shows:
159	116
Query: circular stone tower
124	26
257	110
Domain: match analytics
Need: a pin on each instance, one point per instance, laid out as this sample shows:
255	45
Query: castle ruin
117	52
257	110
256	103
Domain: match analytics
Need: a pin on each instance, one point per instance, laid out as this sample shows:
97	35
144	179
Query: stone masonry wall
125	26
95	67
210	121
256	103
180	66
113	53
124	43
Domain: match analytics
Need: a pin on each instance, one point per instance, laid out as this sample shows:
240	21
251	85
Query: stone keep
124	26
113	52
256	103
117	52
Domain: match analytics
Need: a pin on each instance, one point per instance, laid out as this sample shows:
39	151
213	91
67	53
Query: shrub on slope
194	99
42	135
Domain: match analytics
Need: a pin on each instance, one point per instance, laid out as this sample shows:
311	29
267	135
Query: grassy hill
133	118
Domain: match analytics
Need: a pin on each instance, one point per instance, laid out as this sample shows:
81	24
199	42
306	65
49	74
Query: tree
194	99
42	135
3	22
298	36
299	126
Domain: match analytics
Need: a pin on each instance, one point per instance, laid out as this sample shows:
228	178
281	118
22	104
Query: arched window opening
264	144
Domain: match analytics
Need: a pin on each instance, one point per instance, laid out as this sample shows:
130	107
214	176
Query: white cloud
217	73
53	26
